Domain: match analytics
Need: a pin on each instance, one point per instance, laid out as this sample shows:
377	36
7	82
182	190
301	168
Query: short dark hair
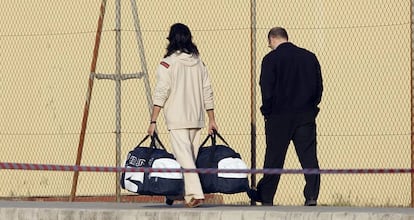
180	40
278	32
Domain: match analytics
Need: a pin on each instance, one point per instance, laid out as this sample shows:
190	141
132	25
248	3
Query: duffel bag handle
221	138
213	139
213	145
154	139
153	146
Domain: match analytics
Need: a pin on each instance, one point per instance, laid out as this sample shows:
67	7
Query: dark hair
278	32
180	39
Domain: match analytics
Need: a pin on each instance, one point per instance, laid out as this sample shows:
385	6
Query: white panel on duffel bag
232	163
137	176
166	163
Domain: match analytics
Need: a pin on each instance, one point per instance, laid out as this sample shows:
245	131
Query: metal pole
88	99
412	101
142	54
253	92
118	96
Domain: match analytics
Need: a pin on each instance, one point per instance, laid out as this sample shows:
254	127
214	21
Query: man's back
290	80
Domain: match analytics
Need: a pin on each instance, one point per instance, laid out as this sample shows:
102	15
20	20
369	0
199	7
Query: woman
184	91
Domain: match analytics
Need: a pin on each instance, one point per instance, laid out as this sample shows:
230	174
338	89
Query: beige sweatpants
185	144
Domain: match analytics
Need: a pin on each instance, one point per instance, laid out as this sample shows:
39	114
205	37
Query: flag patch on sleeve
166	65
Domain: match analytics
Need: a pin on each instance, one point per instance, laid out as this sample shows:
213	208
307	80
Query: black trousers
280	130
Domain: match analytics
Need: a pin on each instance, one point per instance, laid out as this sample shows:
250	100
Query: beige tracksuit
184	91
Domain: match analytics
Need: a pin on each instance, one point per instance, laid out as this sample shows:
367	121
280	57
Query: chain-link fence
47	48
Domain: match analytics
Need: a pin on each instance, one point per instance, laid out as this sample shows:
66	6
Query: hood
187	59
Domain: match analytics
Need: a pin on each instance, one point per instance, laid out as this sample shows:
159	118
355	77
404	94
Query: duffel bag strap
213	139
153	146
213	145
221	138
154	138
143	140
205	140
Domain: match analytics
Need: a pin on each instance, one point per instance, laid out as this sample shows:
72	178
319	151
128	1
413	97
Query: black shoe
169	201
254	195
310	202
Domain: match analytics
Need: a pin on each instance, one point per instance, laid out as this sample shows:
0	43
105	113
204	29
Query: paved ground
23	210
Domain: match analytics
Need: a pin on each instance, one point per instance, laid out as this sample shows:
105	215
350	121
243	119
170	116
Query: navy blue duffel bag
152	183
221	157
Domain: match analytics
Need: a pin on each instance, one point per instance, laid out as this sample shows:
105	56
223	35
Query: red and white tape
54	167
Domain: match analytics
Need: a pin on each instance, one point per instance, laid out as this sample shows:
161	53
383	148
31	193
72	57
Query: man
291	87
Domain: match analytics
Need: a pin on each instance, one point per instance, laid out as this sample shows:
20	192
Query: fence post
253	92
412	102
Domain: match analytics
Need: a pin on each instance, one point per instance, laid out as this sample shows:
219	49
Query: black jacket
290	81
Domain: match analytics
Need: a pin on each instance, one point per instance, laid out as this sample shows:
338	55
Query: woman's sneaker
194	203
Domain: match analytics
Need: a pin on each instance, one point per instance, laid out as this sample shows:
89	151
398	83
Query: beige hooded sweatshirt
184	90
